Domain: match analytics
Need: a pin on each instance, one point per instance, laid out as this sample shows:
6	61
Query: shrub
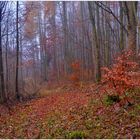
110	99
76	135
122	76
75	75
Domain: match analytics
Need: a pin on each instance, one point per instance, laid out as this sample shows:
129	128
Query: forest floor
70	113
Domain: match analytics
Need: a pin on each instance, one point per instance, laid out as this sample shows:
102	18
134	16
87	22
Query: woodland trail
36	111
70	115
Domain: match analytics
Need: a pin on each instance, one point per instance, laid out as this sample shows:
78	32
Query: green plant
76	135
138	107
89	124
110	99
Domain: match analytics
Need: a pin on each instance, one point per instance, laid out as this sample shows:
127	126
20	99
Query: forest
69	69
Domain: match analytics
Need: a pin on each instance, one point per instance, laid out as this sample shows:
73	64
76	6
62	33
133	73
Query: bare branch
107	9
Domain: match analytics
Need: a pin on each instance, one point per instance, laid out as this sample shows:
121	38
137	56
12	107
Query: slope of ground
70	115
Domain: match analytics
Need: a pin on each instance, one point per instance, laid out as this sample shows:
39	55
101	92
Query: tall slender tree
2	90
17	53
131	12
96	40
121	28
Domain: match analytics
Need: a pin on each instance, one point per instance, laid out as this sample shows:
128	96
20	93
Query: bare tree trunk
17	54
55	48
3	97
97	45
121	28
83	41
6	58
131	8
65	36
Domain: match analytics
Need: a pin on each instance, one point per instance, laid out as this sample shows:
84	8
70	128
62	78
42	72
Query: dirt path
60	113
25	116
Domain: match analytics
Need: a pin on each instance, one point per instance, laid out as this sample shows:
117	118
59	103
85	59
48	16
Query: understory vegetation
74	114
69	70
78	110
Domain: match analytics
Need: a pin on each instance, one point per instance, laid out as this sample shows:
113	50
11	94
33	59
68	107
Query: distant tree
2	85
17	53
121	28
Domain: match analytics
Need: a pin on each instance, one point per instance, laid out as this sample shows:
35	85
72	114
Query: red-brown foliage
122	76
75	76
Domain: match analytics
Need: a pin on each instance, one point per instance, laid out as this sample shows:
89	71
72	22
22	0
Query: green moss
110	99
138	107
76	135
89	124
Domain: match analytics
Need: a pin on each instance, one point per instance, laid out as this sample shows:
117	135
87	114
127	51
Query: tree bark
121	28
97	45
65	28
131	10
17	54
3	98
